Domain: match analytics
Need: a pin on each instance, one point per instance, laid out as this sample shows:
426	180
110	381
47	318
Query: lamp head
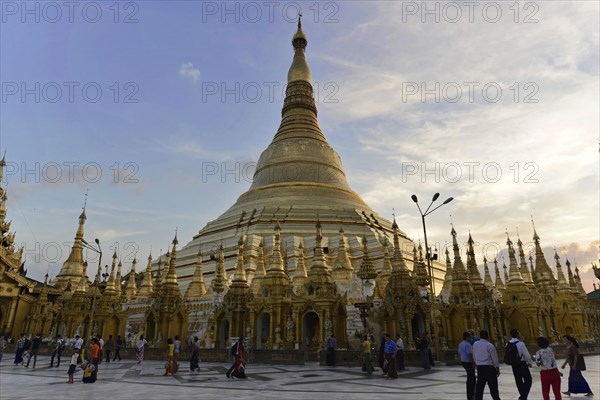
97	241
435	197
414	198
448	200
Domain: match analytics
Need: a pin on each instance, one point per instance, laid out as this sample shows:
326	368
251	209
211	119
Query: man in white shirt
101	344
521	369
488	367
78	345
399	353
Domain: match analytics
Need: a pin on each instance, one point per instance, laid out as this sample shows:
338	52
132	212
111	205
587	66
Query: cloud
187	70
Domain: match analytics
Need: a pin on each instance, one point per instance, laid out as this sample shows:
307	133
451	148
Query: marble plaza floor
126	380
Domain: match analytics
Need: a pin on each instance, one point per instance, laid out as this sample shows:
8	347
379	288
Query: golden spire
299	70
72	268
570	274
420	270
562	283
276	264
523	264
398	264
488	277
318	261
172	274
260	272
239	277
460	273
196	289
367	269
472	269
110	285
505	269
146	288
118	288
301	266
131	288
514	272
342	261
543	273
217	284
498	281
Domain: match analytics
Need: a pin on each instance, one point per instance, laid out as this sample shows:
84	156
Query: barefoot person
577	383
549	374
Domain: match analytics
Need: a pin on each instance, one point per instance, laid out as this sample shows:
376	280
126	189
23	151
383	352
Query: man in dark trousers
60	346
488	367
465	351
520	369
331	343
35	348
118	345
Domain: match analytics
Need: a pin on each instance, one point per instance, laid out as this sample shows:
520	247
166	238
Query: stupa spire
515	273
197	288
460	273
171	279
131	288
562	282
498	279
146	289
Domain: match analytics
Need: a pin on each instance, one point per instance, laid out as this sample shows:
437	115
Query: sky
159	110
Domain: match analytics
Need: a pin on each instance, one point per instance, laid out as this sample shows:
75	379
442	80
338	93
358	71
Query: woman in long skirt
170	365
239	370
20	350
140	349
577	383
195	357
367	357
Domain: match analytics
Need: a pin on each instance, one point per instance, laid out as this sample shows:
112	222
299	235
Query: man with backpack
60	346
517	356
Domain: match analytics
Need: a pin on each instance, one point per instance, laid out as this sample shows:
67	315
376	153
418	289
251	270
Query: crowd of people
478	357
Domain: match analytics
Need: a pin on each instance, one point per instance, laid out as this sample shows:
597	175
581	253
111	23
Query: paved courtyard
126	380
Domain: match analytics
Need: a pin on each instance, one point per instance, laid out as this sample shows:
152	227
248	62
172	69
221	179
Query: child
549	374
73	365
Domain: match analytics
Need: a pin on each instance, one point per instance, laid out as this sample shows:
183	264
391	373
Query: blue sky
158	153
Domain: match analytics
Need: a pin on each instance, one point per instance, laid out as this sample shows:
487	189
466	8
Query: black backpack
511	354
233	349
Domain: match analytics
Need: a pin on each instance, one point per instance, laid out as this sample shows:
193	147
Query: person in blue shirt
390	356
465	350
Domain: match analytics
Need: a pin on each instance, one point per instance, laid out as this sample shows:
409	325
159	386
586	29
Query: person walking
390	356
549	374
34	349
108	347
424	352
465	351
140	349
118	345
238	369
577	383
399	353
331	343
381	356
169	366
72	365
176	352
485	357
60	346
101	344
2	346
78	345
367	356
195	355
517	356
20	350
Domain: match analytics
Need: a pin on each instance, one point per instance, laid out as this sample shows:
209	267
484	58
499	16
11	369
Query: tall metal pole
432	288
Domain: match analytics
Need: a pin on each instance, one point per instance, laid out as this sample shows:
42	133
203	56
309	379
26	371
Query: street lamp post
90	331
429	266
